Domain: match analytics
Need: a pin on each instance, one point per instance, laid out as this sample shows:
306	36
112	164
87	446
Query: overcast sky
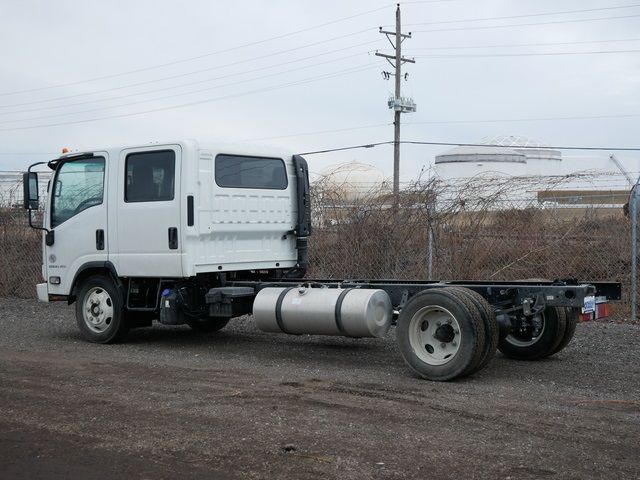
320	79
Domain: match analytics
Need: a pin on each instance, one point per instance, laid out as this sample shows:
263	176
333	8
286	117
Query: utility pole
397	103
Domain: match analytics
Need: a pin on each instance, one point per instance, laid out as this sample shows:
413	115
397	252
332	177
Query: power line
307	58
523	15
486	27
319	132
165	97
342	19
222	66
197	102
197	57
628	149
267	67
194	72
513	45
27	153
434	122
352	147
451	144
445	122
420	2
526	54
534	119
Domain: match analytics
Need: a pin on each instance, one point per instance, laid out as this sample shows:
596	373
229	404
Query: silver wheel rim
425	326
536	335
97	310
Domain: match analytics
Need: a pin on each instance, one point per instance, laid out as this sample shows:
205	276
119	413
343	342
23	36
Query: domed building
340	189
466	162
503	155
352	181
541	160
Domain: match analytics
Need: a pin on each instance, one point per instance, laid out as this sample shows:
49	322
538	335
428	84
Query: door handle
99	239
173	238
190	211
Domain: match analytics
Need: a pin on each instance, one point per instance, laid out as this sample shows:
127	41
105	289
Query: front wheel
99	311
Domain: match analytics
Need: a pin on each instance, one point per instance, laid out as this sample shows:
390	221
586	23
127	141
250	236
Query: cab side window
150	176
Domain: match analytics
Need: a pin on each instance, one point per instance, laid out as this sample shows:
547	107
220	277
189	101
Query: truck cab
149	217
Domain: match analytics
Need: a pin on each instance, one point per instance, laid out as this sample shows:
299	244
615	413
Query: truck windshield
78	185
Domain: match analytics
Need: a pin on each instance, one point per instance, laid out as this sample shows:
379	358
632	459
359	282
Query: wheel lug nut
454	343
456	332
443	345
438	323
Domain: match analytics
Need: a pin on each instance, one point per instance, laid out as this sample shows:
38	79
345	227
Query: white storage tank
541	160
354	180
467	162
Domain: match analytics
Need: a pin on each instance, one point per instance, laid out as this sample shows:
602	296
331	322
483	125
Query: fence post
431	216
430	255
633	213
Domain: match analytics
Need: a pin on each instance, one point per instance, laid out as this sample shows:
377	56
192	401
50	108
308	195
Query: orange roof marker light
65	150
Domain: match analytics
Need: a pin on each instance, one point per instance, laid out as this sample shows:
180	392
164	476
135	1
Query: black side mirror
30	191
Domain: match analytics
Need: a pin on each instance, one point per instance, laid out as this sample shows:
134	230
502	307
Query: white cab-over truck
199	233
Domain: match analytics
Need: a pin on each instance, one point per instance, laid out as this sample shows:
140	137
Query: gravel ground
171	403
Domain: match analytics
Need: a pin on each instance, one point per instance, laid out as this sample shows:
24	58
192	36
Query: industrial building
576	181
503	155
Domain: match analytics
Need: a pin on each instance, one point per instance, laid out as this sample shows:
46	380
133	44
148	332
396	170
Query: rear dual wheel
544	334
446	333
573	315
491	329
550	332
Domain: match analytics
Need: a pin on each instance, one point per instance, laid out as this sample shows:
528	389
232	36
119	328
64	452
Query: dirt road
171	403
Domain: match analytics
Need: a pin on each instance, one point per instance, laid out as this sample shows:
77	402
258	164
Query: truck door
78	218
148	213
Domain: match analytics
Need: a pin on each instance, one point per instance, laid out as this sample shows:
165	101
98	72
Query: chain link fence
20	254
477	229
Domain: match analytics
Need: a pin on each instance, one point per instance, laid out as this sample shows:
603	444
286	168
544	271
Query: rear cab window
239	171
150	176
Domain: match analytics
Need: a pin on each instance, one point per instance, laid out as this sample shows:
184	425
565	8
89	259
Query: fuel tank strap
338	311
279	309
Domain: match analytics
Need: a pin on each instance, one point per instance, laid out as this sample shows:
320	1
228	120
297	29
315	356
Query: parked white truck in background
196	233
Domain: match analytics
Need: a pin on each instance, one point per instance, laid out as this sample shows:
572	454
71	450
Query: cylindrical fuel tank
350	312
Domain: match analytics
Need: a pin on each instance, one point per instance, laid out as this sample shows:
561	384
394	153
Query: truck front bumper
43	292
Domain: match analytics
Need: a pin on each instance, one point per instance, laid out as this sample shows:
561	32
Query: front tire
99	311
